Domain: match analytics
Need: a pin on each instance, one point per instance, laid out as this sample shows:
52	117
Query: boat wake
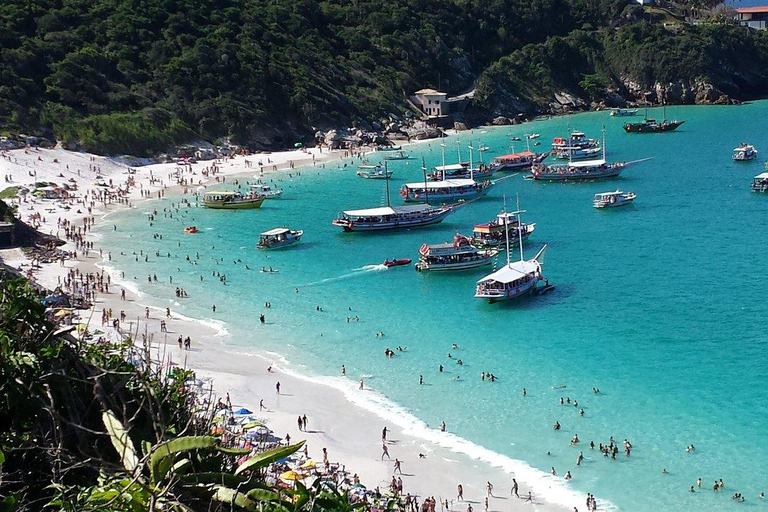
357	272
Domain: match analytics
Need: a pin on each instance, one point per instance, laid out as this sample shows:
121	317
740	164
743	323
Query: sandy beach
345	420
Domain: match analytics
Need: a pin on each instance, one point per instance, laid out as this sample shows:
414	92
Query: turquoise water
660	305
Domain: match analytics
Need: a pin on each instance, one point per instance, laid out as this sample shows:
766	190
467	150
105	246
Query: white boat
374	172
760	183
533	136
494	234
460	171
391	217
744	153
459	255
267	191
623	112
278	237
514	279
576	153
397	155
576	140
445	191
613	199
388	148
517	161
574	171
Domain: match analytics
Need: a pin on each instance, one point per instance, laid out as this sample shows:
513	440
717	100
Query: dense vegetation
91	427
139	75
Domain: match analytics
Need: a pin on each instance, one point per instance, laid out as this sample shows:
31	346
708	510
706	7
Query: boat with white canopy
459	255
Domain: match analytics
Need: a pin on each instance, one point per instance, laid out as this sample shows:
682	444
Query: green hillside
138	75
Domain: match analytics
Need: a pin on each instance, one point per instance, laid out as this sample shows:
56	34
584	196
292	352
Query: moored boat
576	140
460	171
623	112
191	229
445	191
397	155
652	125
391	217
374	172
760	183
574	171
267	191
232	200
613	199
517	161
744	153
459	255
388	148
576	153
278	237
494	234
514	279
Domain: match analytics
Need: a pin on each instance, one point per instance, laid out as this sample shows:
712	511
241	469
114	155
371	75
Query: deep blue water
659	304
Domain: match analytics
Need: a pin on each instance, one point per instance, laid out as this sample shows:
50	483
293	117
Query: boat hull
411	197
239	205
610	173
658	128
493	296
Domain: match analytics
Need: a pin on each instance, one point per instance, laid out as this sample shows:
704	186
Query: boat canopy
609	194
386	210
443	184
276	231
514	156
587	163
762	176
452	167
512	272
222	193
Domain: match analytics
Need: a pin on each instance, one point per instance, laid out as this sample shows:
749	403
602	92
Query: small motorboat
533	136
191	229
613	199
397	262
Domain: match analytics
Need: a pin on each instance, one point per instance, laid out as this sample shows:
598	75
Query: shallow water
658	304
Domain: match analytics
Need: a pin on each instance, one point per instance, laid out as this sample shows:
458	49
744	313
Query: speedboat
191	229
744	153
623	112
374	172
760	183
267	191
459	255
278	237
613	199
396	262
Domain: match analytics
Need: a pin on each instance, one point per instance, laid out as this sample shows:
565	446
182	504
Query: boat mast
424	171
442	149
519	227
471	171
506	228
386	178
604	143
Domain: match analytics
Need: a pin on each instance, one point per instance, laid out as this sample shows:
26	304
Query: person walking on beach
385	451
384	435
460	493
301	424
277	387
489	488
529	499
514	488
361	383
397	466
304	421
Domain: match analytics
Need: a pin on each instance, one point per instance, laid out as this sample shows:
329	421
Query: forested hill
138	75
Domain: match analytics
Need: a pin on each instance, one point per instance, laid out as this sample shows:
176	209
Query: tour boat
445	191
653	126
460	171
232	200
744	153
396	262
391	217
374	172
516	161
623	112
191	229
585	170
494	234
459	255
576	140
278	237
514	279
760	183
397	155
576	153
388	148
613	199
267	191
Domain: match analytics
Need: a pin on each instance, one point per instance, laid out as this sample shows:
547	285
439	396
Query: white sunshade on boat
276	231
443	184
587	163
451	167
762	176
512	272
385	210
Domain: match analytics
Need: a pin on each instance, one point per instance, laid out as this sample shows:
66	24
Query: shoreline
333	414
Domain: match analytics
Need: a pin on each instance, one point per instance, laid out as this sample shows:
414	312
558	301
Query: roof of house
753	10
430	92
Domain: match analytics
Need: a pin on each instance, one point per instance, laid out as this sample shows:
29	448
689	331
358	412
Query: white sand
341	418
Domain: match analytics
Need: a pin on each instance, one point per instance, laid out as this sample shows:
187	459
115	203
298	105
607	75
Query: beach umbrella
62	312
309	464
251	424
81	328
243	410
292	475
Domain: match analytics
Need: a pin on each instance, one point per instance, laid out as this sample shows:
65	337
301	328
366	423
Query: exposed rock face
501	121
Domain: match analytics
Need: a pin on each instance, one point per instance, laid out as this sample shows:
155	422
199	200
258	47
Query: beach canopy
251	424
309	464
243	410
292	475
